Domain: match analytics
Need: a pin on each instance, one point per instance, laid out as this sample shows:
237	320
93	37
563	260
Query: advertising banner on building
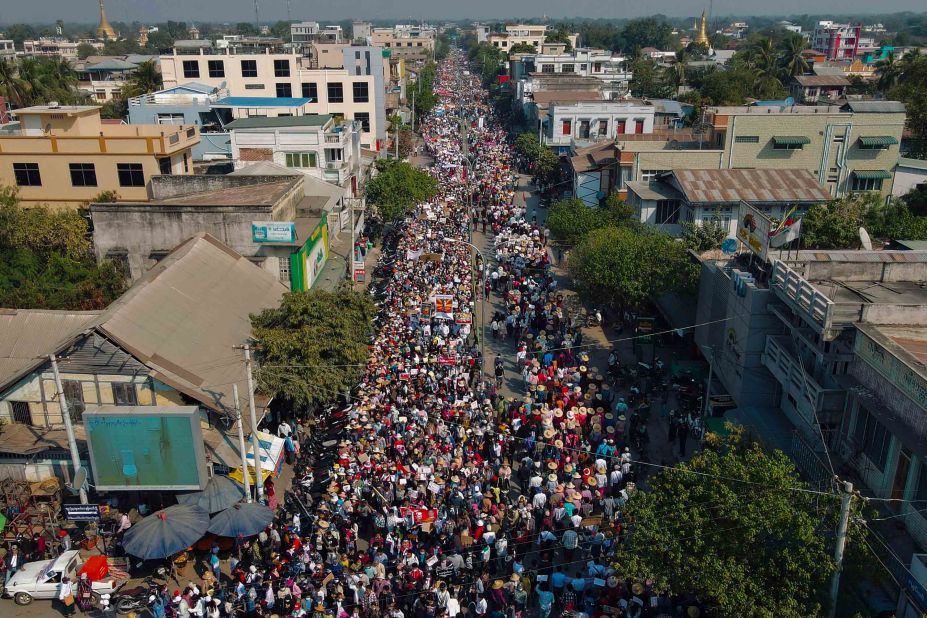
273	231
753	229
133	449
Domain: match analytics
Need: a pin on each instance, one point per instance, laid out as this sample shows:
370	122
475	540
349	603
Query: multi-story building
59	47
7	48
848	149
610	68
103	77
836	41
523	34
802	346
315	145
406	41
190	104
361	32
357	91
482	32
304	32
582	123
65	156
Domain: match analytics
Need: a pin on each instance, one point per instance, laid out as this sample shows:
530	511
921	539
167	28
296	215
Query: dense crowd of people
440	496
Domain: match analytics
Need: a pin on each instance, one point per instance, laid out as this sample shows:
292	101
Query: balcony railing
812	302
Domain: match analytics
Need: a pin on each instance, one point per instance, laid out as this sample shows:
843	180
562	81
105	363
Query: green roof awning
878	140
872	174
791	140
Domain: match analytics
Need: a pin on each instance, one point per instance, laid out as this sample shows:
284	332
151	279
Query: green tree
398	187
734	543
314	346
522	48
145	79
645	32
527	146
911	90
14	87
559	35
648	80
621	267
835	225
570	220
46	261
792	59
84	50
547	167
619	211
704	236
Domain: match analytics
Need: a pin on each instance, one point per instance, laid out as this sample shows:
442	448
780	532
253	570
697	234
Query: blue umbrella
243	519
221	492
166	532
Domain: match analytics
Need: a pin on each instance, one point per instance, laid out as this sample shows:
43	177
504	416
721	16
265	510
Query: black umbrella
221	492
243	519
166	532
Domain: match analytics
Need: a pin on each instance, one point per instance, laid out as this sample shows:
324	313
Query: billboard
273	231
307	262
146	448
753	229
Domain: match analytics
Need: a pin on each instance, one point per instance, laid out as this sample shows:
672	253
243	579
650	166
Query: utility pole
68	426
255	443
413	111
845	499
246	478
257	19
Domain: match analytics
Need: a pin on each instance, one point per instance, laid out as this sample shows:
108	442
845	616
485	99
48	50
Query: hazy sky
47	11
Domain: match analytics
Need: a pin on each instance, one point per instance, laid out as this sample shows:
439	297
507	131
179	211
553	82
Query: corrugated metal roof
183	317
754	185
821	80
20	439
918	164
875	107
653	190
27	335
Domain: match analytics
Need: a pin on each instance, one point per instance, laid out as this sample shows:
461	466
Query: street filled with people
434	490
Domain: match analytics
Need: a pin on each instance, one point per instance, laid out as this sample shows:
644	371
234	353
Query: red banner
447	360
421	516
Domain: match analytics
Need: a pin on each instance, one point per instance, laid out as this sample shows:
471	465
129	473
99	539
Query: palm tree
793	60
145	79
676	73
12	85
888	70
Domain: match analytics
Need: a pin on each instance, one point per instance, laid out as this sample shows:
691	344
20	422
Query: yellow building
64	156
848	149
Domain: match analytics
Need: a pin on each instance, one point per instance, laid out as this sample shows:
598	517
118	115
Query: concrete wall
864	271
737	343
165	187
146	233
907	178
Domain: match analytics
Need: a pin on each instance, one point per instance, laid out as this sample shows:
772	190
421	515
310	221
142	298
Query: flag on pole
787	231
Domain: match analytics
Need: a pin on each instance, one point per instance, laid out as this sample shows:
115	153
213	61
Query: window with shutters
124	394
74	395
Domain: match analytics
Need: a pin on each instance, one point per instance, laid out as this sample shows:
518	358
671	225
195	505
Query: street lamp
711	366
475	294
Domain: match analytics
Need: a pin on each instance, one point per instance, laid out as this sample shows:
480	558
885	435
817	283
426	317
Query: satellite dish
729	246
80	479
864	239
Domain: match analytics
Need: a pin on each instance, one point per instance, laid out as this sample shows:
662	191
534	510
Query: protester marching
432	494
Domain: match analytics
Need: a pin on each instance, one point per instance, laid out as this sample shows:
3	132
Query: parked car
40	580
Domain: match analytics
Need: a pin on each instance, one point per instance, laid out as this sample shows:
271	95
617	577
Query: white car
41	580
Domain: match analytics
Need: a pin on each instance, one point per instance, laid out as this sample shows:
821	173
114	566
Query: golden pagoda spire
701	37
105	29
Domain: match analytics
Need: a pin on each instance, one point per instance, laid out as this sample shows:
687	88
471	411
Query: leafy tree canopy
46	261
753	545
621	267
398	187
571	220
646	32
703	236
314	346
